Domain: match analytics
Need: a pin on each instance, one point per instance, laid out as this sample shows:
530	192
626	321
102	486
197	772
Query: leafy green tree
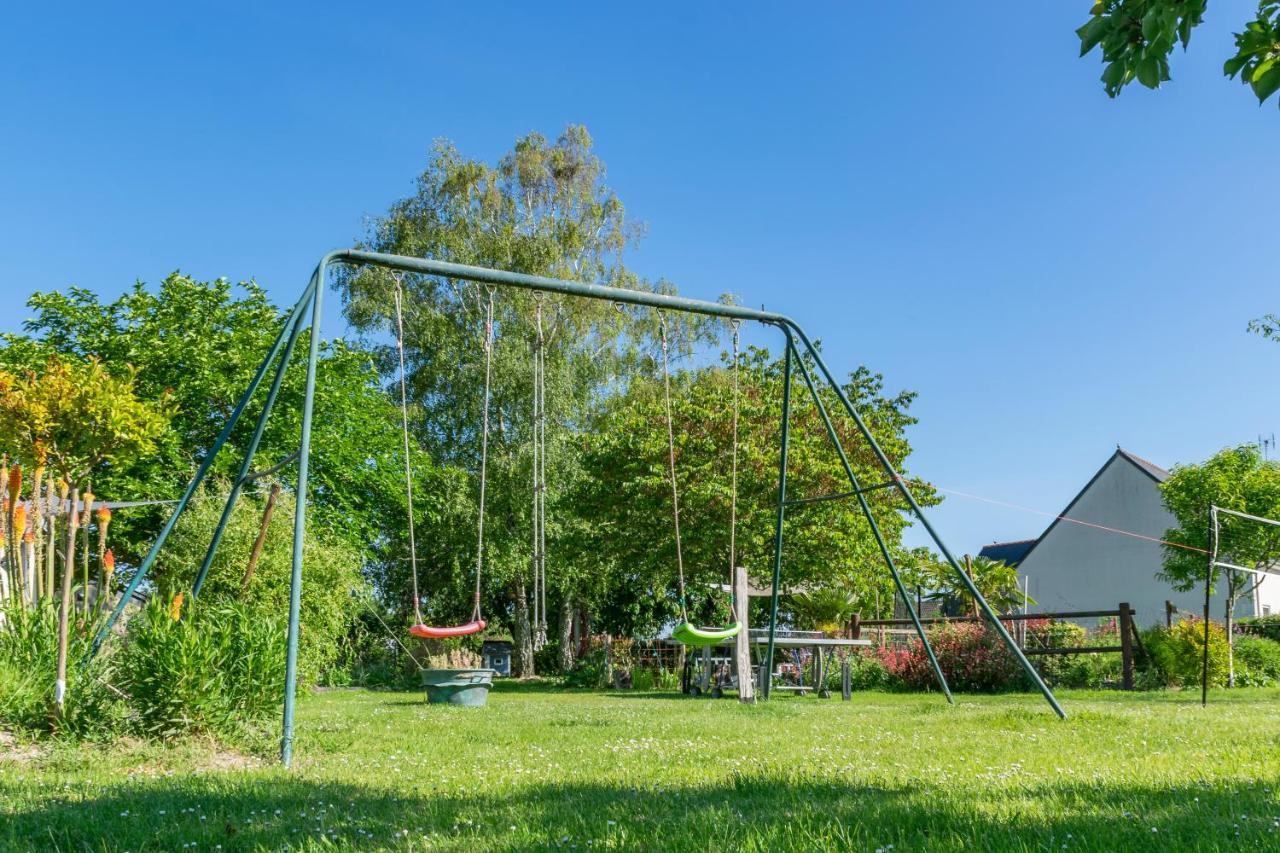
194	346
543	208
1136	38
826	609
78	417
1237	478
995	579
1267	326
627	492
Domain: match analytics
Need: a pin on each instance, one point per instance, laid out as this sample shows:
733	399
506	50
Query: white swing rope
733	485
539	480
408	463
671	461
484	448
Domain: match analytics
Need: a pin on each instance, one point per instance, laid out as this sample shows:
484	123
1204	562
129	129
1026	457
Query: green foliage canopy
544	209
1237	478
627	493
1136	37
76	416
192	347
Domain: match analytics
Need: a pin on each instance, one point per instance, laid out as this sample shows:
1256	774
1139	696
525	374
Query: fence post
846	681
742	642
855	627
1125	625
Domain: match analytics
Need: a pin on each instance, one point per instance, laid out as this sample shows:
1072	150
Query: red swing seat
475	626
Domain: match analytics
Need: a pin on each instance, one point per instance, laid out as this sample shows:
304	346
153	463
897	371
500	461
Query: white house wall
1076	567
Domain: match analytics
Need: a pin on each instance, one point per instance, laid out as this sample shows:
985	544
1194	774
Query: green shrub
28	670
1177	653
330	575
218	666
1079	670
866	672
588	670
973	657
366	657
546	660
1257	661
1261	626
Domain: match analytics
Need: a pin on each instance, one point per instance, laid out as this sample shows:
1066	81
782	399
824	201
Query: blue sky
939	191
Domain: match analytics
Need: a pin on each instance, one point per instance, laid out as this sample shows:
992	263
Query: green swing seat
690	635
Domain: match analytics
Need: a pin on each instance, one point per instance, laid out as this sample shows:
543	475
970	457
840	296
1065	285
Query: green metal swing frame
798	347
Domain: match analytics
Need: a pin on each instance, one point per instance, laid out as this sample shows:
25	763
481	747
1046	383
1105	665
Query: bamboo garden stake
87	516
64	614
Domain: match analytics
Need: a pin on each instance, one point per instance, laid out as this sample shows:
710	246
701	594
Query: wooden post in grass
1125	625
256	552
1169	610
64	614
742	642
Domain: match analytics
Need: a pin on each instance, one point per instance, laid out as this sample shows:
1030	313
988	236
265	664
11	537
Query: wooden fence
1129	639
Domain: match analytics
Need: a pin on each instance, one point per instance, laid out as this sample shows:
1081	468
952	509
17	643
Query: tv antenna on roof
1267	445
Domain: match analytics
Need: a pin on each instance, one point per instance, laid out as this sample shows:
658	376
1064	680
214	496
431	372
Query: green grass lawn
544	768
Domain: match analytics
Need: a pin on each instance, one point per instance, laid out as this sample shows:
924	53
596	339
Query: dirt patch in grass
13	751
228	759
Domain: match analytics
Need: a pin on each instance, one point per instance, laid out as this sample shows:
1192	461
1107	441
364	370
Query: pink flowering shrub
971	655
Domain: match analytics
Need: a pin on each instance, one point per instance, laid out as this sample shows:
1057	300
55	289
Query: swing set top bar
425	266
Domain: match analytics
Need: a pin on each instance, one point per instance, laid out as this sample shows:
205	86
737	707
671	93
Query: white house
1115	555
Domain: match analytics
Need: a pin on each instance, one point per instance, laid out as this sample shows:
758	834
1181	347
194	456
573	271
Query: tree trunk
566	633
522	634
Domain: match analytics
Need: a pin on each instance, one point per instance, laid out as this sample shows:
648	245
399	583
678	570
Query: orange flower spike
109	563
63	488
19	518
15	482
175	607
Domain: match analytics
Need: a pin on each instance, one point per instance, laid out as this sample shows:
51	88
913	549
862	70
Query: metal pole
127	593
767	679
524	281
919	513
1208	584
300	522
875	528
294	325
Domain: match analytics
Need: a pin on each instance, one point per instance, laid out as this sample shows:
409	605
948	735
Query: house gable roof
1009	553
1152	470
1148	467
